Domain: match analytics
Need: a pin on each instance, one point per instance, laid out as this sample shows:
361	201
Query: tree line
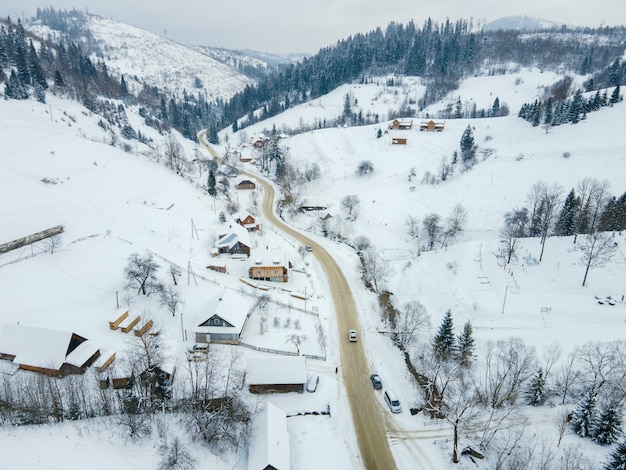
31	67
442	54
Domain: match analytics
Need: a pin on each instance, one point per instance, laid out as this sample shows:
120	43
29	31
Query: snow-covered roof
268	258
276	370
40	347
241	178
82	353
234	234
229	306
270	440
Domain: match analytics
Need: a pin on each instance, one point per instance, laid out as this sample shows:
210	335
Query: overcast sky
306	26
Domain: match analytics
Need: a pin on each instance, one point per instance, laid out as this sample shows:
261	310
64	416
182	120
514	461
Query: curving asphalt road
366	412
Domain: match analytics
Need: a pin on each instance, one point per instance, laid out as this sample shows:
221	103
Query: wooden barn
269	265
245	182
401	124
432	126
51	352
276	374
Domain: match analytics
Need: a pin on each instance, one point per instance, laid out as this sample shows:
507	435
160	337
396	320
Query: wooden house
51	352
432	126
247	221
280	374
245	182
398	140
269	265
223	318
269	447
401	124
234	242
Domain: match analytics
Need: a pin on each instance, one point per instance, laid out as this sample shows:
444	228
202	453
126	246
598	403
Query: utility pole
506	289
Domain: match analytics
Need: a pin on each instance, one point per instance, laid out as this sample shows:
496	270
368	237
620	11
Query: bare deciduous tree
508	365
375	269
54	242
414	231
365	167
515	226
175	159
597	249
551	199
170	298
175	456
432	229
297	340
454	224
141	274
351	204
408	321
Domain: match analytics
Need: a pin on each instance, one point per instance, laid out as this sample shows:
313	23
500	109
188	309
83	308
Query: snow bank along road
366	412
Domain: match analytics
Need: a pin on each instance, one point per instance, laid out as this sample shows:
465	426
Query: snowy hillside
114	203
513	156
160	62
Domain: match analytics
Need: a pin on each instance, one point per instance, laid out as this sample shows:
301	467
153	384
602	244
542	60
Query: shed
276	374
398	140
269	448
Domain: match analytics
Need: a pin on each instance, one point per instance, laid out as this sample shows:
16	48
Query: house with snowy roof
236	241
269	448
247	221
401	124
269	265
276	374
46	351
223	318
245	182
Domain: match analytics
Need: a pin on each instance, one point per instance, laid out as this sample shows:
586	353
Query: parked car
352	336
376	382
308	248
392	401
312	383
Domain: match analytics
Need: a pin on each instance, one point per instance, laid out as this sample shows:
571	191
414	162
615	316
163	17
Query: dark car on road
376	382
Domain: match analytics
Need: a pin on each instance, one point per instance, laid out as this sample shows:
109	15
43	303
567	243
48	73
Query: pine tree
211	184
566	222
465	345
15	89
537	389
444	342
607	426
617	458
582	419
468	148
615	97
58	79
495	108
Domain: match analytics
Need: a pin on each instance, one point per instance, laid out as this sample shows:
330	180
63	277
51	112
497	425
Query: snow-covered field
112	204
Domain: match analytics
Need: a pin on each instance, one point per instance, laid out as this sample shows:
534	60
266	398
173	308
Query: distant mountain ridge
520	23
